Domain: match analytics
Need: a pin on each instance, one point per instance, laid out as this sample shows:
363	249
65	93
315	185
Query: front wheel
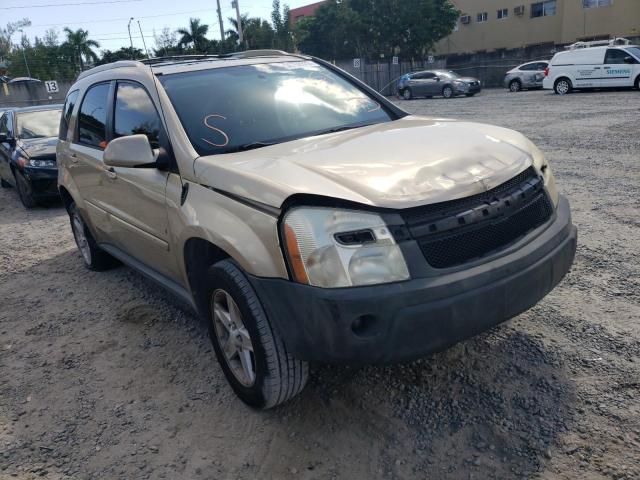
637	84
407	94
562	86
25	192
447	92
251	353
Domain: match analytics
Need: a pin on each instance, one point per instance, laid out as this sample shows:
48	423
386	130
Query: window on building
503	13
596	3
483	17
543	9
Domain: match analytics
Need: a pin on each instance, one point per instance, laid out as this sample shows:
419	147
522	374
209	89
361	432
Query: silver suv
304	216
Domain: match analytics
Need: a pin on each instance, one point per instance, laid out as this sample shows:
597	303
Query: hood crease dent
400	164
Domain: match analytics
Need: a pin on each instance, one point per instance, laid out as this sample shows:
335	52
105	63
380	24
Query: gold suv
304	216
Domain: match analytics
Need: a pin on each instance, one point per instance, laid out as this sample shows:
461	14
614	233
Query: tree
81	45
194	34
166	43
124	53
7	32
283	38
257	33
370	28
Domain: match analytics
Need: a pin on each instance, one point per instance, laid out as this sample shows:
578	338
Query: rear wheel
447	92
637	84
250	351
515	86
94	257
25	192
4	183
407	94
562	86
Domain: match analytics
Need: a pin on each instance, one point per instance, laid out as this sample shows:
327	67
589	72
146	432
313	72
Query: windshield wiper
249	146
342	128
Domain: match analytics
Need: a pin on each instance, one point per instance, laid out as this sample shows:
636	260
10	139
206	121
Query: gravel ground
103	375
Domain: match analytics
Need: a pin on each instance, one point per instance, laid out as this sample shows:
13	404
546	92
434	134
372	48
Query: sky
107	20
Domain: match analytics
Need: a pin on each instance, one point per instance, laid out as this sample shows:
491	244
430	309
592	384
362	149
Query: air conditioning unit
465	19
519	11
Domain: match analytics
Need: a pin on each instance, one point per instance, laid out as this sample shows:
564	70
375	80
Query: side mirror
129	152
4	138
630	60
437	79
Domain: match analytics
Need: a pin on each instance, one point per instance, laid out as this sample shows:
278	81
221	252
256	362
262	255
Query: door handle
111	173
596	68
73	157
607	68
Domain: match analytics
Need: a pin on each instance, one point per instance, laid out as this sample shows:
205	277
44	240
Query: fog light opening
366	326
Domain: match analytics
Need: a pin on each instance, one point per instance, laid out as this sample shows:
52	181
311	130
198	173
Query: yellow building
488	25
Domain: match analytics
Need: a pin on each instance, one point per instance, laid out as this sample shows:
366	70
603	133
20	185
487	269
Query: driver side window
135	113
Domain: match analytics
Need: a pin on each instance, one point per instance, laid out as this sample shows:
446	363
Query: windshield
234	108
635	51
40	124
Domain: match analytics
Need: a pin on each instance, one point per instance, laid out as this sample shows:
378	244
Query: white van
594	67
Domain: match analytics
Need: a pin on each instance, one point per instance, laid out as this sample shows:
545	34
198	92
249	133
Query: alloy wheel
447	92
233	338
81	238
562	87
514	86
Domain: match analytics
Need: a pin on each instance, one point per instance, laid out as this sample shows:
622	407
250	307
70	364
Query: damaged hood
399	164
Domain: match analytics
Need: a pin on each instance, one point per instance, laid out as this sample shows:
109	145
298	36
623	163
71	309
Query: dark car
28	138
432	83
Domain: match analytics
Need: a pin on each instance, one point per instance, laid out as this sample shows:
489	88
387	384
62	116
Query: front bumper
471	89
407	320
44	181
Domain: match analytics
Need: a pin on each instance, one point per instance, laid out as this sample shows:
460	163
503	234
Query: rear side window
135	114
92	119
66	114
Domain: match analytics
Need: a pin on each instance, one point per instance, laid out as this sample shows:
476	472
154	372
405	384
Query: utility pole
24	55
234	3
143	42
130	39
220	22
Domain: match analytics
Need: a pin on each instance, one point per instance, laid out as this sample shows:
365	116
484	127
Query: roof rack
222	56
599	43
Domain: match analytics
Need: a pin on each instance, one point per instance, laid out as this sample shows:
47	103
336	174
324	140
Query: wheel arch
199	255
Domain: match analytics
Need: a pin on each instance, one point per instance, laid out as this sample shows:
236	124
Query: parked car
527	75
585	67
28	138
433	83
305	216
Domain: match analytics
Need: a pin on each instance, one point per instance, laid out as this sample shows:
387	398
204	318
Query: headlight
461	85
329	248
40	163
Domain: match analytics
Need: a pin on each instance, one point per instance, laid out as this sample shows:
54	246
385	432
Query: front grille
455	232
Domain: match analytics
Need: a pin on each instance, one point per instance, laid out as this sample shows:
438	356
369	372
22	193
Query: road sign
51	86
394	60
356	63
431	59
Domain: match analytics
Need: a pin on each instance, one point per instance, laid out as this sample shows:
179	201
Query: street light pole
130	39
220	22
143	42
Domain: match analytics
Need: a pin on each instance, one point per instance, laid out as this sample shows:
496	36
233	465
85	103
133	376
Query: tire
407	94
4	183
447	92
637	83
515	86
25	192
562	86
277	376
94	257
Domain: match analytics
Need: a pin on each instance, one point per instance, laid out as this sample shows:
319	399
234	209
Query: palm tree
79	43
194	34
